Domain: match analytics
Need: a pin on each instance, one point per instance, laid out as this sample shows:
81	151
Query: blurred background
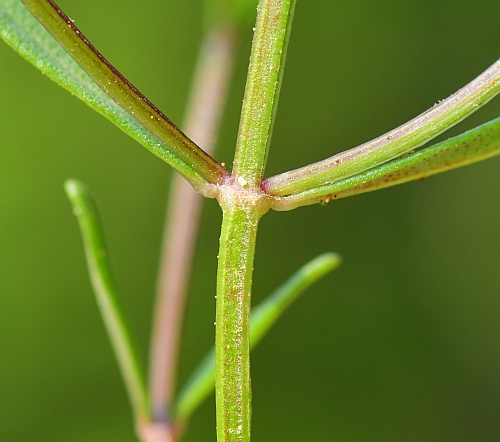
402	343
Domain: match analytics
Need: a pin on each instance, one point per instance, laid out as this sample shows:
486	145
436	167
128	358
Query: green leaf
475	145
406	137
263	317
113	313
113	96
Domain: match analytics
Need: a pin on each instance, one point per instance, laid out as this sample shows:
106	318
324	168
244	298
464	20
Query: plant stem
263	317
243	203
232	343
204	112
267	62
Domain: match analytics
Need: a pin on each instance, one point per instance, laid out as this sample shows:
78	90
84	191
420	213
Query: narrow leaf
117	324
406	137
263	317
131	111
475	145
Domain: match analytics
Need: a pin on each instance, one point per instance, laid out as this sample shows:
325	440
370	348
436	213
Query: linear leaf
131	111
475	145
406	137
118	325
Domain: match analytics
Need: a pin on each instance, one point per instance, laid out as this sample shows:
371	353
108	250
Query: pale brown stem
203	119
157	432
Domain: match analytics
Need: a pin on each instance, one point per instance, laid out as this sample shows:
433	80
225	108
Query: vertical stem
232	345
267	62
243	203
208	95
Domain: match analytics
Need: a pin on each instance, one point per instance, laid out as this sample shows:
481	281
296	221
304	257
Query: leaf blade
116	321
20	30
475	145
404	138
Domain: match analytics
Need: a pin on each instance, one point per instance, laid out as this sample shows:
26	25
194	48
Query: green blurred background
400	344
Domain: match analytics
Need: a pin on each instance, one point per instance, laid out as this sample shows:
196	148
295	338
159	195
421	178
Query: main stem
232	342
243	203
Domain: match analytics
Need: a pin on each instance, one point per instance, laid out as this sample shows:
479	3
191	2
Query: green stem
107	77
267	62
263	317
243	203
232	340
409	136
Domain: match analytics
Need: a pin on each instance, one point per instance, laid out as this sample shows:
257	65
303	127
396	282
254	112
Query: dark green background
401	344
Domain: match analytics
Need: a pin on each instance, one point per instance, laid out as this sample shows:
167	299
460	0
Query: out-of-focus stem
211	81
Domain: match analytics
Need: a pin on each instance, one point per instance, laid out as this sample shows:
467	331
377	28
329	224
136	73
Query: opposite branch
243	203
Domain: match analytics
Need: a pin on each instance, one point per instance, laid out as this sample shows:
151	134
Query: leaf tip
324	263
73	187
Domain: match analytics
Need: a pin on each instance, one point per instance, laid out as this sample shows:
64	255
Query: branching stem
243	203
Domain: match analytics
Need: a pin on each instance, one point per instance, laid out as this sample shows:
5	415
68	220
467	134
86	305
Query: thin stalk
408	136
232	342
243	203
107	77
211	81
267	62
